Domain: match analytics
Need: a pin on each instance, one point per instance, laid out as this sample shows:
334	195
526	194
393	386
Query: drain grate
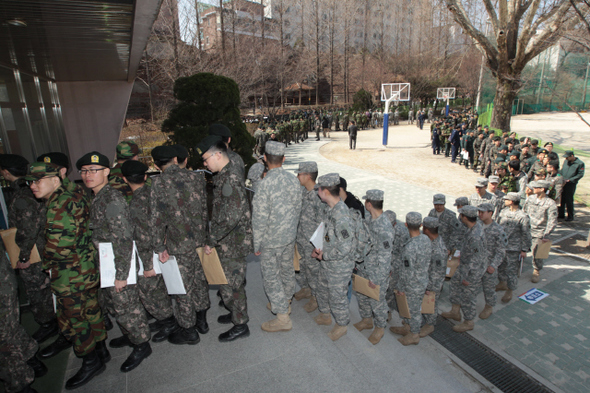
500	372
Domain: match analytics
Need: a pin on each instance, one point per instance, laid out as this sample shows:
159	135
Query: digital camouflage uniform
178	206
449	227
16	346
543	216
376	268
27	214
517	227
237	161
437	271
311	217
495	242
276	208
231	235
337	263
400	238
475	199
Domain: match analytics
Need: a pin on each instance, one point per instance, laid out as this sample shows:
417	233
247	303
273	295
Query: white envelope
171	275
107	266
317	239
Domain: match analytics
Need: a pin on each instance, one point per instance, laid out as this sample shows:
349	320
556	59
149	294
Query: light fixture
17	22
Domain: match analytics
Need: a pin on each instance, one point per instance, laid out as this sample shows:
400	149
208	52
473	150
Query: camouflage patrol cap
469	211
430	222
39	170
56	158
220	130
275	148
374	195
256	171
13	161
329	180
307	167
414	218
391	216
461	201
541	172
206	144
486	207
481	182
503	165
512	196
127	149
181	151
543	184
533	184
132	167
439	199
162	153
568	153
93	158
494	179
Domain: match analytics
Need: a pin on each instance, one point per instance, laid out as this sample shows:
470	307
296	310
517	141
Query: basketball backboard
399	91
445	93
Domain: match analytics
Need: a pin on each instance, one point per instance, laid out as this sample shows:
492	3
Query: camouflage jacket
377	263
27	214
400	239
178	206
473	260
517	227
311	215
231	229
509	181
416	257
521	182
556	189
543	215
139	212
111	223
237	161
475	199
74	188
339	241
116	181
276	208
449	227
437	270
496	242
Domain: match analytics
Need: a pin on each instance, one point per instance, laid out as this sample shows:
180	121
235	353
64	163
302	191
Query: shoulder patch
113	210
345	234
406	263
227	190
386	244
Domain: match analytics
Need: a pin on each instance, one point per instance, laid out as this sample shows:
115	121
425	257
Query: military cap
162	153
220	130
93	158
256	171
486	127
543	184
469	211
414	218
374	195
430	222
542	151
503	147
343	183
132	167
13	161
512	196
514	153
391	216
275	148
206	144
494	179
486	207
439	199
548	143
181	151
127	149
509	140
496	138
533	184
481	182
56	158
503	165
535	142
329	180
525	145
522	139
461	201
568	153
541	172
500	157
38	170
307	167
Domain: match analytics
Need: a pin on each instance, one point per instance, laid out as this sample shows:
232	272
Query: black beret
133	167
56	158
181	151
496	138
162	153
219	129
93	158
207	143
343	184
13	161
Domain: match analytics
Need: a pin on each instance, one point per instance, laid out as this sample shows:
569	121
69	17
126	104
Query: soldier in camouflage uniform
27	214
63	164
110	223
376	267
150	286
311	216
413	279
495	241
401	236
437	270
473	263
336	258
448	225
231	234
481	194
225	134
126	150
178	205
275	213
69	255
542	211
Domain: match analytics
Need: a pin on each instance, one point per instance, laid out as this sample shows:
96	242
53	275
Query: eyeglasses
36	182
91	171
205	159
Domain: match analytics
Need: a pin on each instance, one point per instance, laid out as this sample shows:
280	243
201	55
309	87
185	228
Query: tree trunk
506	90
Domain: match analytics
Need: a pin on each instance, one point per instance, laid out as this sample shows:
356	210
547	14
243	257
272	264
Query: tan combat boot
409	339
365	323
455	313
403	330
377	335
426	330
303	293
282	323
507	296
268	305
337	332
502	286
463	327
323	319
486	312
536	276
312	305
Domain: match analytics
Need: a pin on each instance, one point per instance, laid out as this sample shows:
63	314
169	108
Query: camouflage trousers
126	307
154	296
38	287
16	347
537	263
469	300
278	276
508	269
431	318
234	293
197	290
455	290
333	289
371	308
309	272
415	306
390	296
488	283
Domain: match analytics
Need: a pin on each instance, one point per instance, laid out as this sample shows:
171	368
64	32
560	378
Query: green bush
362	101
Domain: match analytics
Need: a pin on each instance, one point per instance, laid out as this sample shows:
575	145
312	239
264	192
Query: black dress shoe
169	326
224	319
102	351
238	331
38	367
55	347
202	325
184	336
91	367
108	324
120	342
139	353
45	331
569	219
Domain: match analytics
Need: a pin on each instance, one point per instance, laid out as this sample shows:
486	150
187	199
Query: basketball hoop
445	97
